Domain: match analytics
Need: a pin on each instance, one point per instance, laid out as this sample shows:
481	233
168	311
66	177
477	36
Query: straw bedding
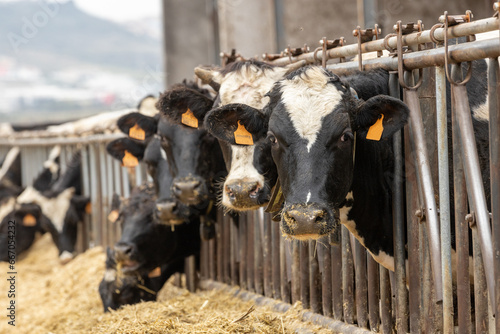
52	298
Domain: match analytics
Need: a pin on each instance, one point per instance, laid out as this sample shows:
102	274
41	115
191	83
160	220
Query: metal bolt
471	219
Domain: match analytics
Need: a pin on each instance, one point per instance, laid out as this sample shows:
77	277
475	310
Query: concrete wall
190	37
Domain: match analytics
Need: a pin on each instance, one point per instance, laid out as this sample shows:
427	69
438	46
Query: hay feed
52	298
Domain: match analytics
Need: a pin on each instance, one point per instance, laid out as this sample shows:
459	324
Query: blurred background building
62	60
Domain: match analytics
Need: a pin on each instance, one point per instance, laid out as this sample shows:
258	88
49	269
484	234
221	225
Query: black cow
117	288
146	244
251	170
312	118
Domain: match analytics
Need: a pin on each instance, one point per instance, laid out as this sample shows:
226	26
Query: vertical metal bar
325	256
258	268
385	301
314	278
219	257
86	232
494	112
473	177
285	280
95	195
337	283
295	271
444	200
373	294
423	167
361	285
480	286
226	248
110	178
250	251
234	240
304	275
347	278
243	234
105	199
266	243
212	254
190	269
461	231
276	265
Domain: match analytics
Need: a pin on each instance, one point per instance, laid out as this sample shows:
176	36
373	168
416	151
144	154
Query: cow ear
137	126
127	151
115	208
237	124
186	106
380	117
209	77
81	203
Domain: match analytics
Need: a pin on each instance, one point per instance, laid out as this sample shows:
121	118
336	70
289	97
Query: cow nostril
196	184
230	193
255	190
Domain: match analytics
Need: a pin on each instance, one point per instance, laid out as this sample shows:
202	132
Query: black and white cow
146	244
334	165
61	203
251	170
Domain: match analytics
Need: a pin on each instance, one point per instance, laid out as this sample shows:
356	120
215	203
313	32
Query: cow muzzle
124	252
307	221
166	213
189	190
242	195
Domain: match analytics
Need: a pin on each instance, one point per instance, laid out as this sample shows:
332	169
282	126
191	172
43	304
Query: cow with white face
251	171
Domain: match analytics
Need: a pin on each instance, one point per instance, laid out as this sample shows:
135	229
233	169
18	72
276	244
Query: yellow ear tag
136	132
189	119
29	220
113	216
88	208
129	160
242	136
375	131
155	272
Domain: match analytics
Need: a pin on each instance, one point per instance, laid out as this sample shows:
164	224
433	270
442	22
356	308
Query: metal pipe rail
34	141
460	30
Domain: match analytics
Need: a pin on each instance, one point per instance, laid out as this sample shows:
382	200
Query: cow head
314	120
242	87
117	288
193	154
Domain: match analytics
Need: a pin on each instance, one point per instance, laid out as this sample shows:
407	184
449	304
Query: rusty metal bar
473	177
226	252
422	163
461	231
258	259
373	294
361	285
334	325
347	278
295	271
304	275
267	253
385	301
494	112
422	59
337	295
243	232
444	199
234	253
325	268
480	286
219	227
250	251
314	277
285	282
460	30
190	271
276	265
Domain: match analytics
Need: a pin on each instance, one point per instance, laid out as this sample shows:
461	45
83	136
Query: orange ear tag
156	272
242	136
136	132
129	160
29	220
113	216
88	208
375	131
189	119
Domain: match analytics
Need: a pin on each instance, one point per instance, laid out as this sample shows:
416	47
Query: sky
117	10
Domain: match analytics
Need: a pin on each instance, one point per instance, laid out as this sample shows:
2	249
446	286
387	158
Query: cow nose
166	208
123	250
306	221
239	190
187	189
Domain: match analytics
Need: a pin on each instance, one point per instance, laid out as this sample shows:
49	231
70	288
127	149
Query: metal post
385	301
373	293
295	271
276	265
267	253
325	267
242	230
304	275
338	301
473	178
494	111
250	251
314	277
361	285
347	278
258	260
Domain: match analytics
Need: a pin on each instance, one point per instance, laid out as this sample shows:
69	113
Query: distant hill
71	38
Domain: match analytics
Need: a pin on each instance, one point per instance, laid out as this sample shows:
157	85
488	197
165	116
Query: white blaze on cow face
308	92
54	208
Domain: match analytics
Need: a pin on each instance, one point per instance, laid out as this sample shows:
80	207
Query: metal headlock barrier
340	284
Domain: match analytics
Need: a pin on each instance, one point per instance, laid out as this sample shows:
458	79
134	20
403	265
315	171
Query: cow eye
272	138
346	136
